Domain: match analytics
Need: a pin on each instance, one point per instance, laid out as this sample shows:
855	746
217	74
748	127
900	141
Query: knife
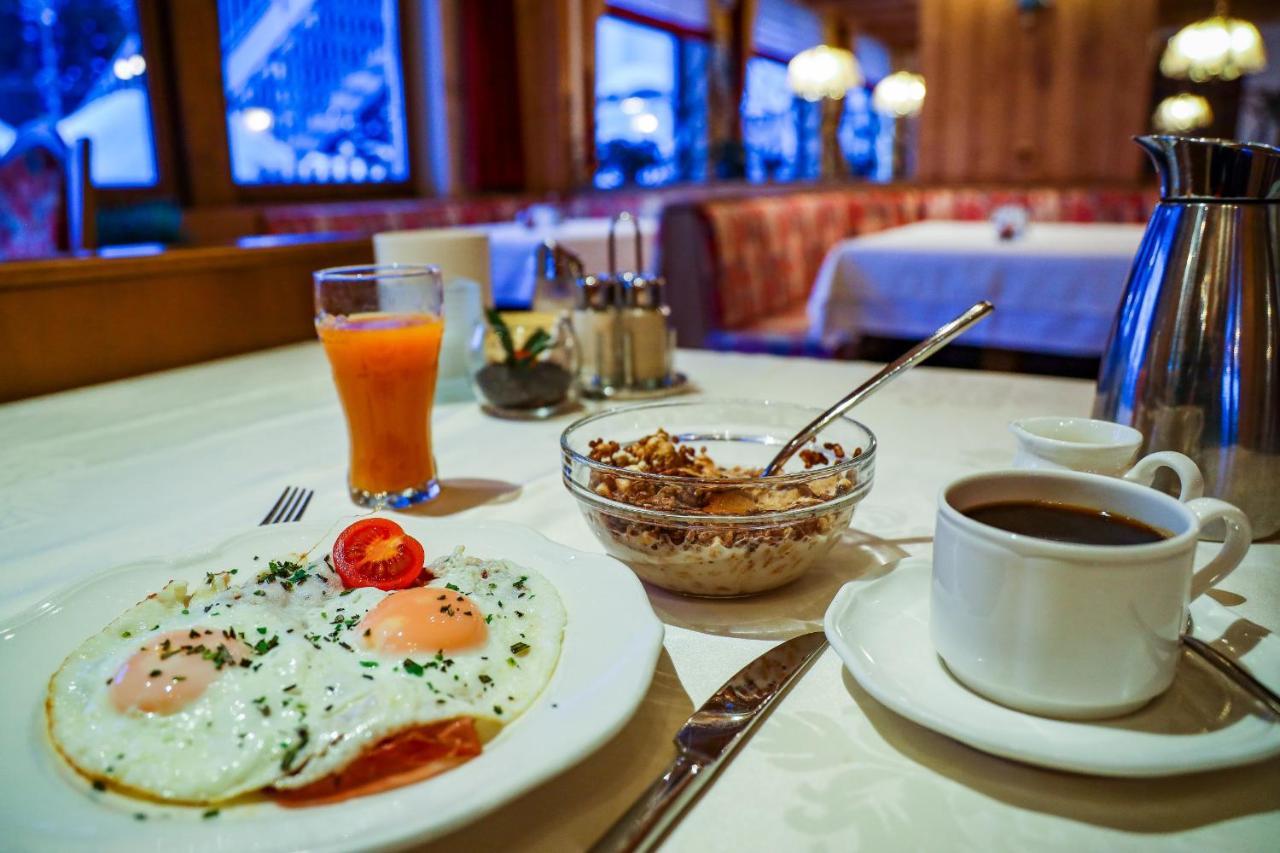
707	740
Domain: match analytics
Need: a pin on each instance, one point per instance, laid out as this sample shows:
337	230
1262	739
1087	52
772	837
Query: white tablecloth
512	247
178	461
1056	288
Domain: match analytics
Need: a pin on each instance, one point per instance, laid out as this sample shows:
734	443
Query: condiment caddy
623	327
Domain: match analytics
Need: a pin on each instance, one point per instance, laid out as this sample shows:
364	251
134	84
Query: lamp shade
1217	48
823	72
900	94
1181	113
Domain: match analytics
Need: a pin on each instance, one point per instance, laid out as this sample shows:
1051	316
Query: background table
512	247
1056	288
181	460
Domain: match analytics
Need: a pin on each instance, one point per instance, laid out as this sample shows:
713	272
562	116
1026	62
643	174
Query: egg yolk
173	670
426	619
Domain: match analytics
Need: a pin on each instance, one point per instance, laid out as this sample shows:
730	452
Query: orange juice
385	368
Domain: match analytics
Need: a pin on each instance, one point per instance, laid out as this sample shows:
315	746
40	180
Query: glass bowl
729	536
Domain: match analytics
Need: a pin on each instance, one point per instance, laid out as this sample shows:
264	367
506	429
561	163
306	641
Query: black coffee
1066	523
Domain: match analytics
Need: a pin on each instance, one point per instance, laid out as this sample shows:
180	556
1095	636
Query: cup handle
1234	546
1190	480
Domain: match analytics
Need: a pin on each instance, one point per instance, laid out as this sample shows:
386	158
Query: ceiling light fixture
823	72
1216	48
900	94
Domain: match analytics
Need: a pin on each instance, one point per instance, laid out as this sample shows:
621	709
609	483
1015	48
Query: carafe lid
1193	169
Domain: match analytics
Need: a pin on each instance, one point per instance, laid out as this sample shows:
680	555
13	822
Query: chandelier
900	94
823	72
1217	48
1182	113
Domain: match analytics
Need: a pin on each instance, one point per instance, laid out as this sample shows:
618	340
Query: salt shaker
646	333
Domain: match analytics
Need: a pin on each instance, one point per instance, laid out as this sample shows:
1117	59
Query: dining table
1058	284
175	462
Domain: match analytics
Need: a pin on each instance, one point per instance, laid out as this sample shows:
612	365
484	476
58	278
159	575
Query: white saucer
881	632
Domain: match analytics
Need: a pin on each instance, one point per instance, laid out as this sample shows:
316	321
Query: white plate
611	646
881	632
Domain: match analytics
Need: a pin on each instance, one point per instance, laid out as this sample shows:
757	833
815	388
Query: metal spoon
891	371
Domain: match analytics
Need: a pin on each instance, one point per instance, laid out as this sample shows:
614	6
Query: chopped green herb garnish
412	667
210	813
292	752
519	649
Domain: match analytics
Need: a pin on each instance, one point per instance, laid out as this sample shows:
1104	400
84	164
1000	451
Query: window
780	131
314	91
77	67
866	137
636	72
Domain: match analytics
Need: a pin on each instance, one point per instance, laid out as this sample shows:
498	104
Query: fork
290	506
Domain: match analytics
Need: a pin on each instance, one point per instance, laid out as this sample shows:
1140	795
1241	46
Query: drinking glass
381	327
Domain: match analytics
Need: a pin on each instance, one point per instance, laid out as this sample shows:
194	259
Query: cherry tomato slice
377	552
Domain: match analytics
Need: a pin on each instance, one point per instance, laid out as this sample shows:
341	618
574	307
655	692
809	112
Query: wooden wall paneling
932	58
988	138
1051	94
1064	110
76	321
1030	56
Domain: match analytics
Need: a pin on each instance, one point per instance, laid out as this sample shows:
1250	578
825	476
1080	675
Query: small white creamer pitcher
1098	447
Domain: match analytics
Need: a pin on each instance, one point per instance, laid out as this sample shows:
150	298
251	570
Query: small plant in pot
523	370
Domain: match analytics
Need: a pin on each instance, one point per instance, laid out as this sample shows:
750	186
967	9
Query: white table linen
1056	288
178	461
512	247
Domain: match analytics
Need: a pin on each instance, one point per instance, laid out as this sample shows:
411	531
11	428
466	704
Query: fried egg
287	678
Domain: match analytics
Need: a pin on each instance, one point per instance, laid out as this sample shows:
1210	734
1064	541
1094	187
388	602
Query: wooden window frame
193	150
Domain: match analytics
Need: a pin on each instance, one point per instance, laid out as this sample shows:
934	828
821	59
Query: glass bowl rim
371	272
863	459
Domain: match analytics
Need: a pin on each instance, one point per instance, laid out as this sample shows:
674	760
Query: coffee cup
1061	628
1098	447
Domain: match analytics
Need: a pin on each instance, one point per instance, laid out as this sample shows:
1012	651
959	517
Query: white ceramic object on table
463	256
880	630
459	252
1098	447
1063	629
606	663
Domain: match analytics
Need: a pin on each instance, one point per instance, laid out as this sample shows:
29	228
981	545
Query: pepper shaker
645	323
